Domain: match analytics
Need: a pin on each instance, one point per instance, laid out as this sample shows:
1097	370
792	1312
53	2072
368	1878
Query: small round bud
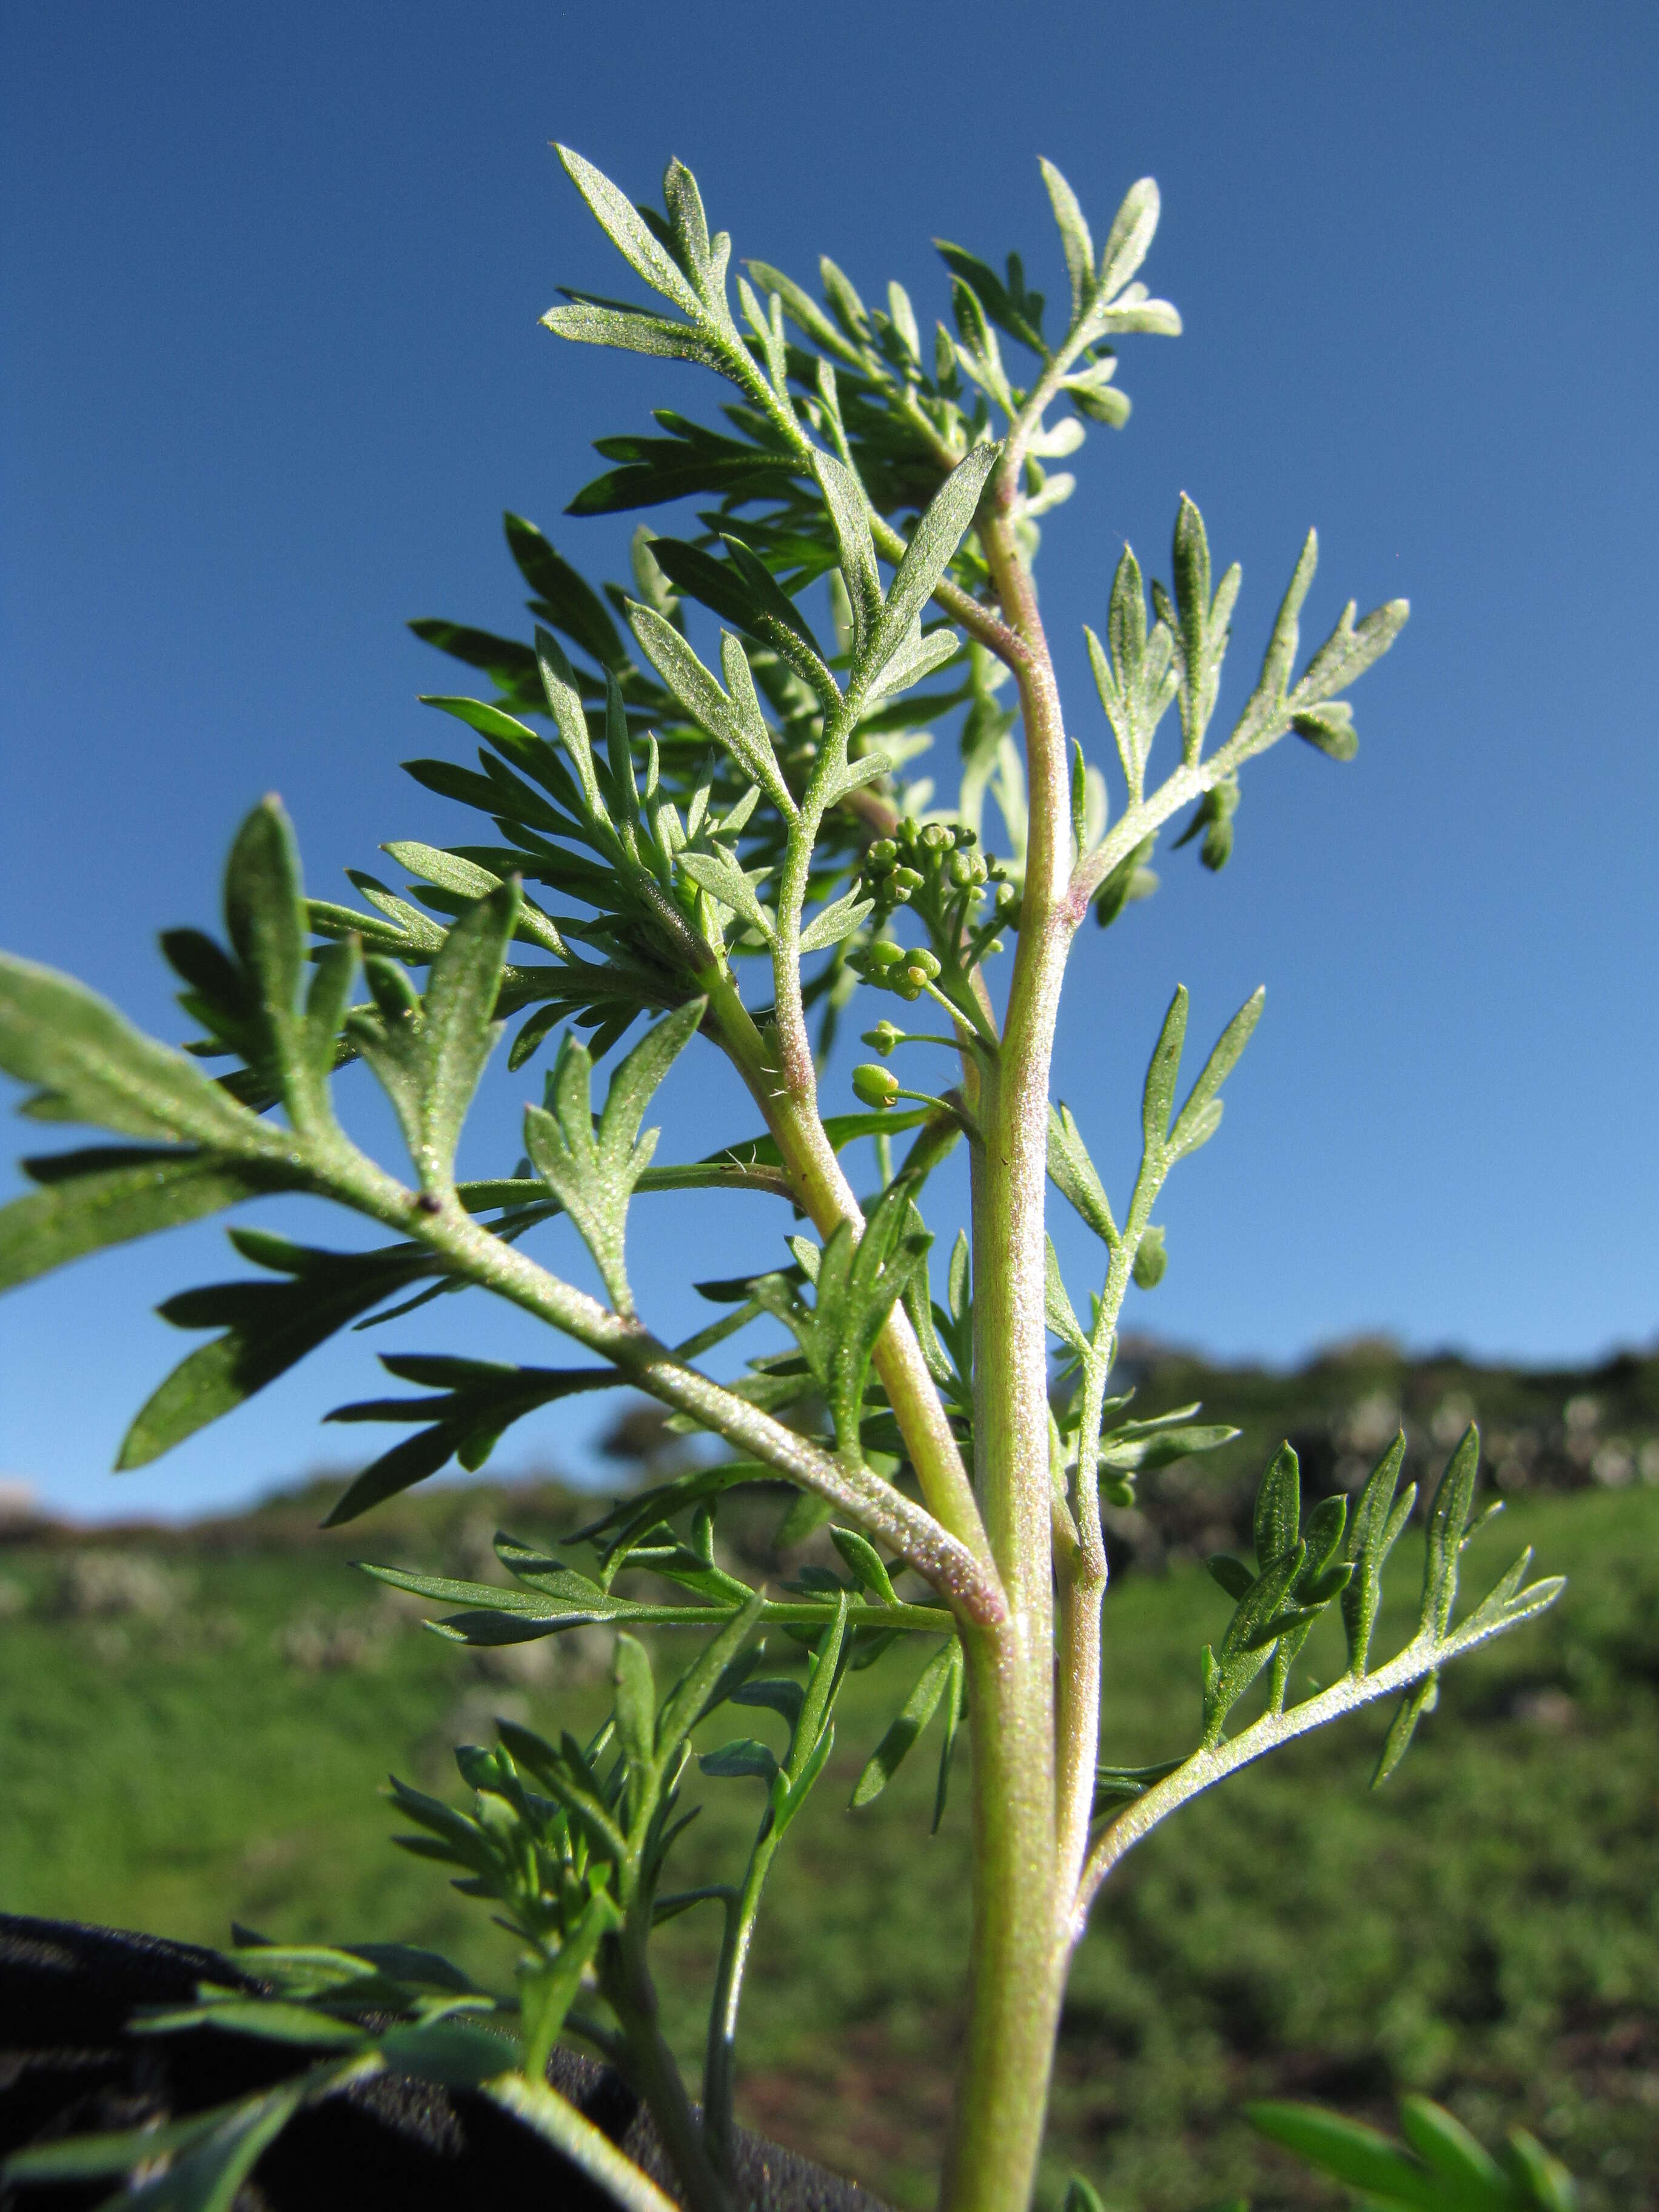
882	855
883	953
995	946
910	877
936	838
874	1085
1151	1260
1117	1489
883	1038
927	964
908	986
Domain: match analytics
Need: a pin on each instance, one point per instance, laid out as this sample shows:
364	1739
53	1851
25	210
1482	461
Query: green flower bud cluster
917	852
895	882
936	866
892	967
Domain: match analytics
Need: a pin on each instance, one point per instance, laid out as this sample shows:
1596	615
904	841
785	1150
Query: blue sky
272	371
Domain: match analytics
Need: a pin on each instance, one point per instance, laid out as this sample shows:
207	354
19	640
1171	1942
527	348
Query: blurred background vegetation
196	1723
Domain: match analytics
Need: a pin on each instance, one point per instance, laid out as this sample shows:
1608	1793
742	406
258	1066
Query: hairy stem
1422	1655
1082	1588
1017	1965
1012	1166
474	1255
820	1183
1018	1958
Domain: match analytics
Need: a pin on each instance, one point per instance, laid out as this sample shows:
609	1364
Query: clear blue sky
272	371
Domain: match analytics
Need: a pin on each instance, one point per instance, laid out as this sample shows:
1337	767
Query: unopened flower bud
882	855
927	962
1151	1260
874	1085
937	837
883	953
883	1038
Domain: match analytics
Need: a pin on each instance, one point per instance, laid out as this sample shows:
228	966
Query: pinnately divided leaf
593	1170
108	1195
933	544
91	1065
731	717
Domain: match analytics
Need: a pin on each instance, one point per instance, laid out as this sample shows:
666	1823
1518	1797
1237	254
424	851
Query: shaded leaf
108	1195
906	1728
269	1326
92	1066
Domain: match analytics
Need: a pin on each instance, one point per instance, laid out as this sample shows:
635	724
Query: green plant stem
1424	1654
652	2071
820	1183
741	1911
791	1107
792	1110
475	1256
1017	1970
1080	1591
1011	1356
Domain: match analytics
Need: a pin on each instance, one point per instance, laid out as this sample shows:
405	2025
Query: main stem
1020	1903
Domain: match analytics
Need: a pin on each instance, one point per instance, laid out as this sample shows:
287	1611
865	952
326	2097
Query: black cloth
69	2067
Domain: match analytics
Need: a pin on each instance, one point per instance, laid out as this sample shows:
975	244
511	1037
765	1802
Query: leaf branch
472	1253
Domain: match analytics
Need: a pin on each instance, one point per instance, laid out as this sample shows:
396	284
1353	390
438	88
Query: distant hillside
1543	1430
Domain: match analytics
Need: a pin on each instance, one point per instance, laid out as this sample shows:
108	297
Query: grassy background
196	1724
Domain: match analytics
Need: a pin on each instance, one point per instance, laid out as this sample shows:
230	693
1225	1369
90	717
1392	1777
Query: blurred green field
197	1725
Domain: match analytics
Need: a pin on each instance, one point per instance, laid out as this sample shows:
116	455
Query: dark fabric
68	2067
